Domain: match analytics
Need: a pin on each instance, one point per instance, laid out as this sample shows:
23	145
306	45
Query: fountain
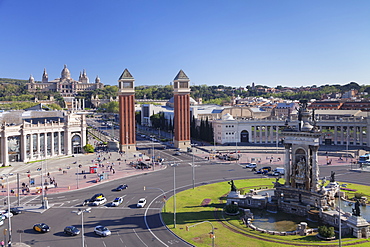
301	194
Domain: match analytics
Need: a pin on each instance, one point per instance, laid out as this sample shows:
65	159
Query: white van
279	171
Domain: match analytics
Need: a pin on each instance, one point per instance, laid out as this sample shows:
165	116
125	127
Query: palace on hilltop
65	85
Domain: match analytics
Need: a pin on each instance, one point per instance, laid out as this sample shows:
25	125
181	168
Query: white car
5	214
116	202
102	231
141	203
99	201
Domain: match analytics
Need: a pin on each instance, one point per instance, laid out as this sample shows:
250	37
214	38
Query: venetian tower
181	110
126	96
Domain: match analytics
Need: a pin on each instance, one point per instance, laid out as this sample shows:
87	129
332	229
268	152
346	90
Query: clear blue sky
235	42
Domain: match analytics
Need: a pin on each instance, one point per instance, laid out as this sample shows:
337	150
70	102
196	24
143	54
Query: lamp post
81	212
9	218
212	234
347	142
174	194
236	146
193	167
153	157
163	193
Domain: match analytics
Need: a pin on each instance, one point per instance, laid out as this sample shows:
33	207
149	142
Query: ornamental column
126	96
182	110
287	164
315	169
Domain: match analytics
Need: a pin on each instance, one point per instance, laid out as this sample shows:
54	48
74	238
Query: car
41	227
99	201
14	211
251	165
71	230
102	231
177	153
5	214
122	187
267	168
92	199
116	202
141	203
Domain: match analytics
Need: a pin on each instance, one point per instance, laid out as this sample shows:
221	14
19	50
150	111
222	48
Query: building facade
65	85
335	130
39	137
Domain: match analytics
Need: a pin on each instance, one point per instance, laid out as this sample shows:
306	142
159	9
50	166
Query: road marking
146	222
139	237
61	196
104	244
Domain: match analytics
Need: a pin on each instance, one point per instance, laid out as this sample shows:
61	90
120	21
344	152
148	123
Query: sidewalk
65	173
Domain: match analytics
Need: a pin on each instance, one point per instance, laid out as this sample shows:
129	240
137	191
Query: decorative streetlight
174	194
211	235
163	193
81	212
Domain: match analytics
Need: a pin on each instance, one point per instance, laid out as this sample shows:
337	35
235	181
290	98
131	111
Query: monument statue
233	188
356	210
332	177
301	168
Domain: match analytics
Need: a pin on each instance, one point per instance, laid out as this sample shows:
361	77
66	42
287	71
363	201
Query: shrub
232	208
359	195
326	232
89	148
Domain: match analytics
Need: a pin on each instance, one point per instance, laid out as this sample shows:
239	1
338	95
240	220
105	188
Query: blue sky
236	42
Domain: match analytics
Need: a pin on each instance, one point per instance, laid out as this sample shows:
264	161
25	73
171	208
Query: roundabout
206	203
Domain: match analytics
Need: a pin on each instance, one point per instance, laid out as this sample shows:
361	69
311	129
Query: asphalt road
133	226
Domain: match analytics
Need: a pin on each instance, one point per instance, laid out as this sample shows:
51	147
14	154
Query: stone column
4	147
52	144
260	133
23	139
315	169
335	134
31	146
59	144
342	135
271	134
38	145
361	135
45	144
287	165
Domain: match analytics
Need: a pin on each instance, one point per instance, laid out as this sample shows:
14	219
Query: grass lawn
190	211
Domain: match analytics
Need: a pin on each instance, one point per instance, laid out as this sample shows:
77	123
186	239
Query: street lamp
164	195
174	194
153	157
212	234
8	199
81	212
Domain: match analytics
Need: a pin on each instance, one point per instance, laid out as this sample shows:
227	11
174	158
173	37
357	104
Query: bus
364	159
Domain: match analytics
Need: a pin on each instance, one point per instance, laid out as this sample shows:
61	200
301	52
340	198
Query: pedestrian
55	184
2	243
9	243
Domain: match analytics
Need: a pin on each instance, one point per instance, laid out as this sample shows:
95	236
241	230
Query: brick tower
126	95
182	110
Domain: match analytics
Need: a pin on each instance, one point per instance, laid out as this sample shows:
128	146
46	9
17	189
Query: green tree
88	148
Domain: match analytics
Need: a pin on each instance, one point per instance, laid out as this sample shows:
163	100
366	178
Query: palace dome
65	73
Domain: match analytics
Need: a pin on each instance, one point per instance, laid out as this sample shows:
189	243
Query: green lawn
189	211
